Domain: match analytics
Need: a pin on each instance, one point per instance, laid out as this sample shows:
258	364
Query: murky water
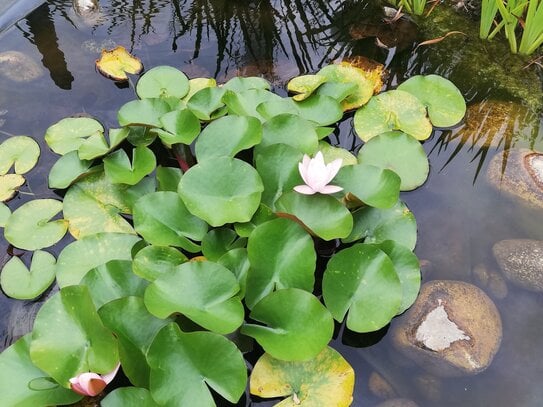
460	216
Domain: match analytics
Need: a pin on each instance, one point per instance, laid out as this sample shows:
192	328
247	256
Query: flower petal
304	189
111	375
330	189
88	384
333	169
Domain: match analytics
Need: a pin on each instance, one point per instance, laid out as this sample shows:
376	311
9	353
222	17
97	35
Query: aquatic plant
176	272
415	7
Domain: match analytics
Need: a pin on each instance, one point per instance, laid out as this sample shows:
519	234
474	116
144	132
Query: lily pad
128	396
162	81
345	73
69	134
320	109
337	90
299	335
23	284
19	151
304	85
262	215
362	281
281	255
17	373
327	380
207	103
203	291
219	241
227	136
400	153
331	153
9	185
245	103
241	84
168	178
237	261
4	214
67	169
120	170
153	261
135	329
392	110
69	338
377	225
115	64
180	126
223	190
197	84
446	105
161	218
323	215
145	112
292	130
191	359
29	226
83	255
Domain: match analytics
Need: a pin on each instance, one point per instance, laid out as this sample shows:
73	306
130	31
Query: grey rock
521	261
491	281
522	177
452	329
19	67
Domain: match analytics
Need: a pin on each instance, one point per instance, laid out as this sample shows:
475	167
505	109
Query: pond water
460	216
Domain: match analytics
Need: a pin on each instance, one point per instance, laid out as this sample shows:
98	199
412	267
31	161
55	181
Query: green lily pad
377	225
94	205
69	134
323	215
120	170
129	396
299	335
362	281
262	215
320	109
245	103
9	185
161	218
153	261
168	178
407	267
228	136
392	110
219	241
223	190
207	103
281	255
191	359
141	135
29	226
145	112
17	373
81	256
304	85
276	107
344	73
197	84
23	284
180	126
277	179
292	130
203	291
400	153
135	329
240	84
162	81
113	280
446	105
237	261
372	185
19	151
331	153
67	170
337	90
4	214
327	380
69	338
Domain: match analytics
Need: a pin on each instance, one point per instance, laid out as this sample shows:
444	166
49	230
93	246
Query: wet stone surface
522	177
521	261
452	329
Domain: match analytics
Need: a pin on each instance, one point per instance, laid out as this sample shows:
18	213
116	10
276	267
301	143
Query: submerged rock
19	67
380	387
452	329
491	281
518	173
521	261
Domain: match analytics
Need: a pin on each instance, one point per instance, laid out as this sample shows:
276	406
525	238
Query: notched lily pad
19	151
120	170
161	82
69	134
327	380
304	85
116	63
9	185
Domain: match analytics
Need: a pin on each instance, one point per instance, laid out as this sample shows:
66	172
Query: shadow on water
460	217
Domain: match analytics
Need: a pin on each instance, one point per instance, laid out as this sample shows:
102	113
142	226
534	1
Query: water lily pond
477	200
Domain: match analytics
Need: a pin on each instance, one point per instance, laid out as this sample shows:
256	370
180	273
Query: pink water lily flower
316	175
92	384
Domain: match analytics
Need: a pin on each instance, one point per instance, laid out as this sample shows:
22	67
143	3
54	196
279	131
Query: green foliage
167	261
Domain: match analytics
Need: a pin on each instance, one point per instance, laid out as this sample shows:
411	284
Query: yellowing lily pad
9	185
373	70
325	381
115	64
304	85
345	73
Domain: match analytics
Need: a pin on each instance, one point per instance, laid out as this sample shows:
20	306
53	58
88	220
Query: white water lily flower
316	175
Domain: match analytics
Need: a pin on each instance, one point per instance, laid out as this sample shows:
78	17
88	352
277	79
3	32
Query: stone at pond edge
19	67
522	177
521	261
452	329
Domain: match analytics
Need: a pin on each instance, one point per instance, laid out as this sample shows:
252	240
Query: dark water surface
459	216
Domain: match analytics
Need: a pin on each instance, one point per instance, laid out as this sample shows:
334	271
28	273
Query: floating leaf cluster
175	273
